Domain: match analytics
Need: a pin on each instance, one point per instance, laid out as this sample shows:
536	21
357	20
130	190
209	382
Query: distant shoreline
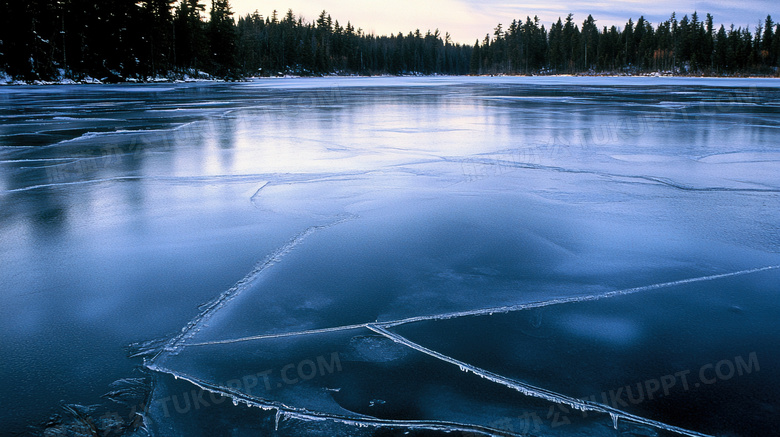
91	81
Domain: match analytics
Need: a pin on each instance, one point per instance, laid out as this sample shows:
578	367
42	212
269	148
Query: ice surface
481	253
608	350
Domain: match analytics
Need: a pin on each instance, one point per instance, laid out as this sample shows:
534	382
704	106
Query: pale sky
467	20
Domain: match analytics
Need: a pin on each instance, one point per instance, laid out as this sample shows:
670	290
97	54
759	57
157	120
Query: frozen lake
355	256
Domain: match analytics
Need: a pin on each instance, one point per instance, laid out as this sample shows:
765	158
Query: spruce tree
222	39
766	42
589	42
475	60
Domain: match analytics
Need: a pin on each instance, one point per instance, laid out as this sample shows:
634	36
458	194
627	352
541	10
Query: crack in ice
656	179
178	343
210	308
287	411
495	310
533	391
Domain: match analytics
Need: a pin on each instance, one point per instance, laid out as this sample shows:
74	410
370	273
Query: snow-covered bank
5	79
64	78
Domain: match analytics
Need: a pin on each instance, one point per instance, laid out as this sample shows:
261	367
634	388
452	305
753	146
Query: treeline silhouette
275	46
687	46
116	40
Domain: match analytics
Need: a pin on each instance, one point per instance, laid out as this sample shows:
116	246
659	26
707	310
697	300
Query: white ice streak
64	184
281	335
494	310
533	391
574	299
257	193
209	308
13	161
206	179
93	135
284	412
653	179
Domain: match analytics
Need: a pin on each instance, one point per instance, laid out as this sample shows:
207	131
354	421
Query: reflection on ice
618	330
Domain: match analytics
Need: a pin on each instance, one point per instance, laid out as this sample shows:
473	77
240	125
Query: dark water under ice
396	255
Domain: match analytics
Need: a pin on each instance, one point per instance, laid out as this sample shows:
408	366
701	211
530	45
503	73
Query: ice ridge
533	391
211	307
497	310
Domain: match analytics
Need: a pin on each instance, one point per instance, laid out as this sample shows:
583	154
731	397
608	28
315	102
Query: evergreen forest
119	40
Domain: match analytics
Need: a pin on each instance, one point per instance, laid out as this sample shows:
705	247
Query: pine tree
675	32
721	46
628	44
709	41
569	44
589	43
774	54
189	35
766	42
222	37
555	46
159	35
475	60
